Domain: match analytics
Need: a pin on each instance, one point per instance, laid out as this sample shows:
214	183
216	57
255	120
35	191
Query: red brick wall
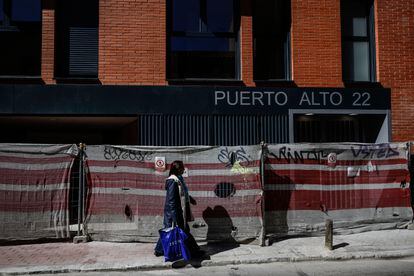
132	47
132	42
316	43
395	58
246	42
48	41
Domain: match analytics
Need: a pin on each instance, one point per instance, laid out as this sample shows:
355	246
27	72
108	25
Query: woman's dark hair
175	167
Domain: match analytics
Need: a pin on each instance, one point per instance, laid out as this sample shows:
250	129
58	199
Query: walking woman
177	208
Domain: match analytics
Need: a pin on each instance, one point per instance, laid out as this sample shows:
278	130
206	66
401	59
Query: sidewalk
101	256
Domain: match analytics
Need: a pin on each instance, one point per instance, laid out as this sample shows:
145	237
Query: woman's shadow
220	235
221	232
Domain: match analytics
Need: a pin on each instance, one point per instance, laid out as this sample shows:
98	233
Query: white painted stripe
252	222
199	172
152	192
190	154
32	167
37	150
34	188
318	187
112	226
33	156
301	220
360	212
311	167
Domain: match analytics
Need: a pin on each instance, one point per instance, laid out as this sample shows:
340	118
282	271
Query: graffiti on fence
115	153
230	158
239	169
376	151
299	156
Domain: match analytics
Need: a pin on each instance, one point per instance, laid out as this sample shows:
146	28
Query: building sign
132	100
303	98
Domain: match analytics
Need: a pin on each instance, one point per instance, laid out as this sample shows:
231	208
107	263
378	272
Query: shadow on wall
278	192
220	232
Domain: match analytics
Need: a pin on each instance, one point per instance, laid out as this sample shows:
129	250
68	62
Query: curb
209	263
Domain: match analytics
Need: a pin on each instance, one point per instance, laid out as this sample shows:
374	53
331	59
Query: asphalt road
353	267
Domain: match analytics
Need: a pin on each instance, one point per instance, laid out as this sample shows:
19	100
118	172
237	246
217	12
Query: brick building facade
141	46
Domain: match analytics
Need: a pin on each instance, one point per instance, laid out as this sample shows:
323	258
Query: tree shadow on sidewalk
34	241
282	237
339	245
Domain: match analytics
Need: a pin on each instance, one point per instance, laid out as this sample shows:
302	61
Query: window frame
370	38
286	36
8	26
62	55
182	34
6	22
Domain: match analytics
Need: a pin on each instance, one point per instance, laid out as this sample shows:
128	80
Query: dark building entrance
319	128
68	130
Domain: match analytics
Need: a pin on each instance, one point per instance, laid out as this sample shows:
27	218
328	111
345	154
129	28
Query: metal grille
235	130
274	128
225	189
83	51
227	130
174	130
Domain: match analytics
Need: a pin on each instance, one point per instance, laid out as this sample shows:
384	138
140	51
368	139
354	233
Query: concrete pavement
107	256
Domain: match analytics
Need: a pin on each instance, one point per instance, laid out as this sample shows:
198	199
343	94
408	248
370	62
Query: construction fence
242	193
34	190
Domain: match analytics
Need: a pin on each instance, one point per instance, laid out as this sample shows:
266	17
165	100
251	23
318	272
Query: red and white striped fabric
34	190
127	194
363	186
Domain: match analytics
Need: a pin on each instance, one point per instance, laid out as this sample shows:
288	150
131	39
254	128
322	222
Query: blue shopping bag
173	243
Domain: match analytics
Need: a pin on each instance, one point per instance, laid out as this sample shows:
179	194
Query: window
20	36
77	38
203	39
358	52
271	33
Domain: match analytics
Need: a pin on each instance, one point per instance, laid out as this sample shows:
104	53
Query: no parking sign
332	158
160	164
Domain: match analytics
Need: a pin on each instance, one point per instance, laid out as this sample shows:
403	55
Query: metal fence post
262	178
83	189
81	197
411	170
80	188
